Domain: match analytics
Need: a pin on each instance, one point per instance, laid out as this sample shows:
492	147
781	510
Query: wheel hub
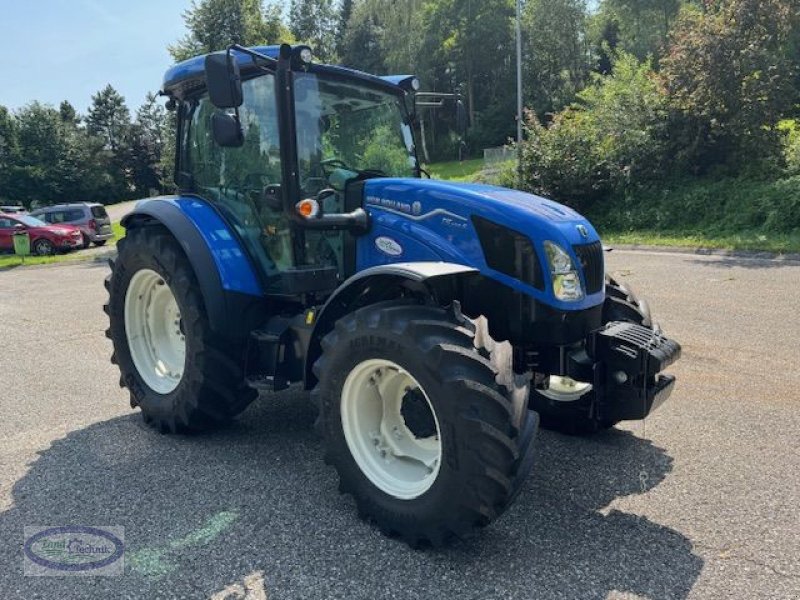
155	333
391	428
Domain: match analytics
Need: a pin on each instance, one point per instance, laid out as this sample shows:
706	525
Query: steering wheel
335	163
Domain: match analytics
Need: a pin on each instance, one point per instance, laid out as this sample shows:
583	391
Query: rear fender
232	293
376	284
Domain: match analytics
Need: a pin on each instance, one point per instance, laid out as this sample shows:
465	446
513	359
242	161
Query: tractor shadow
201	513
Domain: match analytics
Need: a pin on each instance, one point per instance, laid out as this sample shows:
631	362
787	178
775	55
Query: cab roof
189	75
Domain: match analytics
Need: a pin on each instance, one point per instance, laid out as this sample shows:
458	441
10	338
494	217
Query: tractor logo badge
583	231
388	246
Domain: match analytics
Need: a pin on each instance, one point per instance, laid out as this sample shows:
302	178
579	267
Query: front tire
43	247
424	422
182	376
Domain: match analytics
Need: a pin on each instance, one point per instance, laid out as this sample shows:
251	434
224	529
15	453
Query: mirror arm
253	54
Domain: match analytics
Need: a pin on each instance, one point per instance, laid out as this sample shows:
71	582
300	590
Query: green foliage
641	27
555	64
384	154
313	22
48	155
729	78
215	24
712	205
53	160
614	136
790	128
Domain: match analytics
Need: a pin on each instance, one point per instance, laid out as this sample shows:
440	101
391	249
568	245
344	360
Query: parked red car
45	239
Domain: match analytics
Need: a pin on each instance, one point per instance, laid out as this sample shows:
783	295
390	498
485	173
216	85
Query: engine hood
538	217
430	220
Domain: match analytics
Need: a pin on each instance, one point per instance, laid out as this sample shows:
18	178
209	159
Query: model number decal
388	246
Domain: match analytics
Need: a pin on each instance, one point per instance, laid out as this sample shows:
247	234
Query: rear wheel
182	376
86	241
423	420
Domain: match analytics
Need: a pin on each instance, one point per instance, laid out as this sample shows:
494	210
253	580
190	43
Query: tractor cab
281	148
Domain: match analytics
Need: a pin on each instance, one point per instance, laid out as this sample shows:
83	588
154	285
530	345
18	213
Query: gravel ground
700	501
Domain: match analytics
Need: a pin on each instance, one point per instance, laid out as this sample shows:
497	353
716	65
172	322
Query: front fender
370	286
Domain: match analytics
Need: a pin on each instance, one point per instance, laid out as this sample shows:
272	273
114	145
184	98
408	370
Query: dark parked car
92	219
45	239
13	210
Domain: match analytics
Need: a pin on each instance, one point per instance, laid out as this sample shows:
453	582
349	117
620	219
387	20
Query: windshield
30	221
349	126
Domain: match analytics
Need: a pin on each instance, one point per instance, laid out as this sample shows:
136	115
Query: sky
54	50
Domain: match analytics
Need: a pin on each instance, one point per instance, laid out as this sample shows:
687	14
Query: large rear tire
563	406
182	376
423	419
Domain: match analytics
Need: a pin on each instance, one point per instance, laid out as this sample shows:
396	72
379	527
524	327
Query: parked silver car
92	219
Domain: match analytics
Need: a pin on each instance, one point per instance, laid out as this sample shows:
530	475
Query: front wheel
421	433
182	376
43	247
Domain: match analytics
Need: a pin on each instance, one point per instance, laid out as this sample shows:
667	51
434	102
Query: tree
345	13
614	137
555	52
469	45
68	113
216	24
8	150
146	146
313	22
362	44
109	118
110	121
642	26
56	161
730	80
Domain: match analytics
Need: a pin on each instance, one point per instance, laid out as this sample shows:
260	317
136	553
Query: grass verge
749	242
465	170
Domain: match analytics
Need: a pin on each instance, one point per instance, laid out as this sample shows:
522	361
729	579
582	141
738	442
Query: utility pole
519	91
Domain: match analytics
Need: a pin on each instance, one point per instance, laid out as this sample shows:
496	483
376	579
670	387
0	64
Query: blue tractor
436	324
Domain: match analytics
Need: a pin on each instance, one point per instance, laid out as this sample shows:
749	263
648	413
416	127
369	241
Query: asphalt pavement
700	501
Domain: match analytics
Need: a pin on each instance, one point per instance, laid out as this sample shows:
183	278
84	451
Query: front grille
591	259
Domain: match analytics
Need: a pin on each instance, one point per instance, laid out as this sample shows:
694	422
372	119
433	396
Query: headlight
565	278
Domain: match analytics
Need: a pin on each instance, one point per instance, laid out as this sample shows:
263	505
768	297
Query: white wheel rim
564	389
386	450
153	326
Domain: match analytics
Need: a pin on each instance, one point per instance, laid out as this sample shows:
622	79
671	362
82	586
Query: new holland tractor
435	323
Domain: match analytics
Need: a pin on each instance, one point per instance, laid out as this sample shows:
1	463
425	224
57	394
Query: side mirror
227	130
224	81
19	227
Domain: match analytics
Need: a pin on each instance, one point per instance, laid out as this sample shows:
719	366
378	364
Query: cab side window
244	182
